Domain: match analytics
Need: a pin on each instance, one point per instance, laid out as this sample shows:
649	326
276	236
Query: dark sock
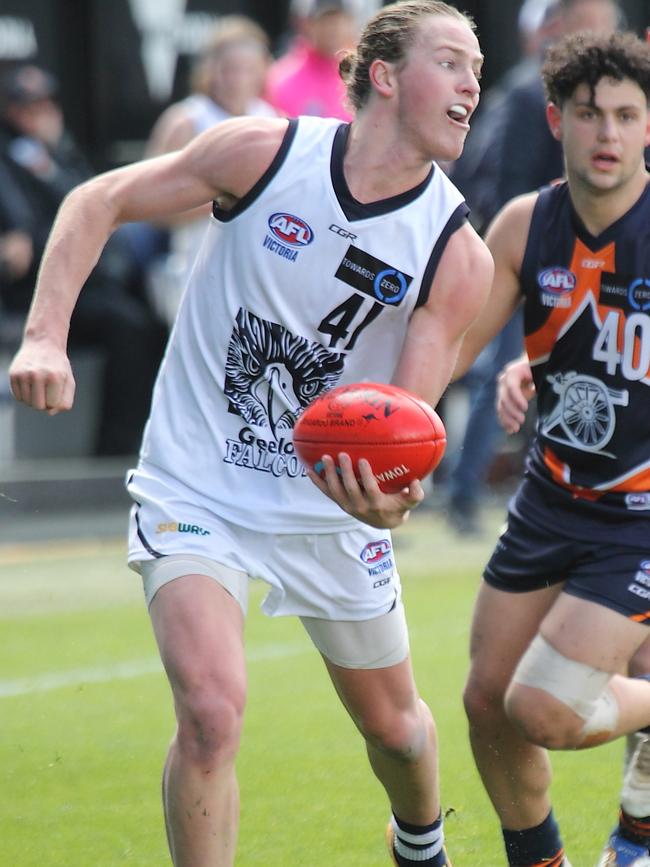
407	843
533	846
635	829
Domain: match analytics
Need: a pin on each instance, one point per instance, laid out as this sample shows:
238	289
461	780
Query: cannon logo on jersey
373	277
556	285
288	234
271	375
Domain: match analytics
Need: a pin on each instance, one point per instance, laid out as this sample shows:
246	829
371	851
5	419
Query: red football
400	435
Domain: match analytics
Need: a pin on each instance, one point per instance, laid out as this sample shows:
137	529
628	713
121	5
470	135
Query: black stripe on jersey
353	209
257	188
454	222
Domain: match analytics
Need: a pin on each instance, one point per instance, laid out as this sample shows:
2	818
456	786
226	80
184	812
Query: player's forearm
426	369
78	236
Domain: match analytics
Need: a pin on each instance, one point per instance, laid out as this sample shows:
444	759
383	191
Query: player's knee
543	719
560	703
401	734
210	725
483	702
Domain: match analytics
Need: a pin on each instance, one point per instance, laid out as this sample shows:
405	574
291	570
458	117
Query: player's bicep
456	297
229	158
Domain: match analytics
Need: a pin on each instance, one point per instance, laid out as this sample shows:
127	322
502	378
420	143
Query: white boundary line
127	670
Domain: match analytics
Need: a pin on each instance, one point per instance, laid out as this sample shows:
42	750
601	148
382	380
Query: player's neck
378	164
599	210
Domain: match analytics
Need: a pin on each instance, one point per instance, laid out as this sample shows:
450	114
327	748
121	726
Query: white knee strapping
580	687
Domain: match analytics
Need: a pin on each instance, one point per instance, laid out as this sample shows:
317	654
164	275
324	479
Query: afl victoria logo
291	230
374	552
557	280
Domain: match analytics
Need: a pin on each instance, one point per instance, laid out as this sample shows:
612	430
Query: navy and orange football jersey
587	332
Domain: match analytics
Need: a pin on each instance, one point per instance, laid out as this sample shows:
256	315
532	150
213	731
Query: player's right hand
362	497
515	388
41	377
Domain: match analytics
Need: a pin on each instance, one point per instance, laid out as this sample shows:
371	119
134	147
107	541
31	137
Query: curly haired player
565	601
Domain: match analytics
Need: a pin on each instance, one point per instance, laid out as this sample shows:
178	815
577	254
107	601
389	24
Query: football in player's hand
400	435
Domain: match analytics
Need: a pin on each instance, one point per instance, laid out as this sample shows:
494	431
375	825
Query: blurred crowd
128	305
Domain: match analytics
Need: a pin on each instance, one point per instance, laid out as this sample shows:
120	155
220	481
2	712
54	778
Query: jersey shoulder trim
455	221
225	216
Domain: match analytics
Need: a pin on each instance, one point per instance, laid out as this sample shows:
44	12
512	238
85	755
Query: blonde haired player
339	252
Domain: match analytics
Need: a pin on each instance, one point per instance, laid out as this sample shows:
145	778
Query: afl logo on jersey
557	280
291	230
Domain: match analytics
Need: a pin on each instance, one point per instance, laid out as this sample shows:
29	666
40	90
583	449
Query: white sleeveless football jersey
297	289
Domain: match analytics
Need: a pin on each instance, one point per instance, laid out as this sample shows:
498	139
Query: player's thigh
198	626
378	699
368	662
503	625
593	634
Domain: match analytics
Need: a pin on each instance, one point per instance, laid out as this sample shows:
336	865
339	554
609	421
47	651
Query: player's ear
554	118
382	77
647	127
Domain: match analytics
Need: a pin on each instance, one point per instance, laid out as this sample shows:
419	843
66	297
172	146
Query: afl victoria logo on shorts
374	552
378	559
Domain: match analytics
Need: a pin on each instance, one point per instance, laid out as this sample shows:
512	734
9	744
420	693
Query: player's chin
454	147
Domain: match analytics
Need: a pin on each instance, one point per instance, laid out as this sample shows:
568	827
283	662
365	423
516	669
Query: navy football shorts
532	554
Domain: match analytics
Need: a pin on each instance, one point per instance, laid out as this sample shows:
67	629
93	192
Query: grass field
86	716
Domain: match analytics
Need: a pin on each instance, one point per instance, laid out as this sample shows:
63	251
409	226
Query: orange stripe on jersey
641	618
555	861
561	474
560	471
540	342
639	483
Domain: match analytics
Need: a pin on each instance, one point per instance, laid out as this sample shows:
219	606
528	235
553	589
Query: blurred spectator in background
227	81
509	151
39	164
305	80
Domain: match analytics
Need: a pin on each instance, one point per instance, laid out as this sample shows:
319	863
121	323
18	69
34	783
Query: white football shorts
344	586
